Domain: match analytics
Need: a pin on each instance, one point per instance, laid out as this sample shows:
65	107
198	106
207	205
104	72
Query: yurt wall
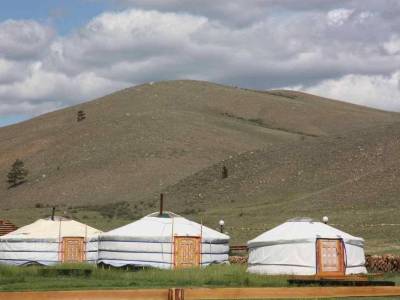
163	241
49	242
305	247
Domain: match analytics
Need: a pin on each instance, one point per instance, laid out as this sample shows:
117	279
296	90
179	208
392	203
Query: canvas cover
290	248
149	242
40	242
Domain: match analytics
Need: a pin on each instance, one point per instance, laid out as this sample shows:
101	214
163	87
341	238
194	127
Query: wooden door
73	250
187	252
330	257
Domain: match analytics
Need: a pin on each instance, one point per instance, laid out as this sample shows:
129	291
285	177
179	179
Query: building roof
154	227
301	230
52	229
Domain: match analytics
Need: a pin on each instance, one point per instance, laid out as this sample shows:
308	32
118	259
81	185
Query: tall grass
33	278
46	278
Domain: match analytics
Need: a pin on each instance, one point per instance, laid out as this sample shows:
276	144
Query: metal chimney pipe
53	212
161	203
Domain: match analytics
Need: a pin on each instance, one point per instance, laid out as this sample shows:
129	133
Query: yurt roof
162	227
301	229
52	229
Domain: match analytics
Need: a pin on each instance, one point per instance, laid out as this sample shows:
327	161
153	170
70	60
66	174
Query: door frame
63	245
198	238
342	264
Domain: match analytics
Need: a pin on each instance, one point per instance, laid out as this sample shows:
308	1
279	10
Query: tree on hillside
17	174
224	172
80	115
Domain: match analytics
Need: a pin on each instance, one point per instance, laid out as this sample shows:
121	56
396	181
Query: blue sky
55	54
11	119
65	15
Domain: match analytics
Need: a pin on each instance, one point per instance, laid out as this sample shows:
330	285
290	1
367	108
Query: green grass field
46	278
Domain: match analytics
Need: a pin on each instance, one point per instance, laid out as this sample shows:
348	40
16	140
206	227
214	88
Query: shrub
80	115
17	174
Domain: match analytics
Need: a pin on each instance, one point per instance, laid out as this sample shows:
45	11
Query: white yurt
164	241
302	246
48	242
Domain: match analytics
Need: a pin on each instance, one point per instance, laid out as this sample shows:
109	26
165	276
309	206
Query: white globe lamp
221	225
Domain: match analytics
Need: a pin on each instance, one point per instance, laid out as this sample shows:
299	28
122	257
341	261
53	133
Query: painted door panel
187	252
73	249
330	257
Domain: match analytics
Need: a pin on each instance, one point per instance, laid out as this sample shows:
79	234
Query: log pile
382	263
238	259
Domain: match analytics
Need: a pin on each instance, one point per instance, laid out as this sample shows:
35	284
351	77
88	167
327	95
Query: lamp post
221	225
325	219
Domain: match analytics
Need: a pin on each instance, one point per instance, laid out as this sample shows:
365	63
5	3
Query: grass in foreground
45	278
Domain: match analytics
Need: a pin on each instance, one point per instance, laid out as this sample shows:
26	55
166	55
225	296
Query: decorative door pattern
187	252
73	250
330	257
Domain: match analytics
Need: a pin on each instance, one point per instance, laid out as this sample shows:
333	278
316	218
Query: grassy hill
288	154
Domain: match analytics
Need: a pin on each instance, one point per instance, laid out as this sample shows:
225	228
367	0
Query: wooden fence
206	293
6	227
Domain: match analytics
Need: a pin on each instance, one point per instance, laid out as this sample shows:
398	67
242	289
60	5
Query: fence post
179	294
170	294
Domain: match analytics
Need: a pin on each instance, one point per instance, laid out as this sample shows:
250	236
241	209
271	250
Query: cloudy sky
59	53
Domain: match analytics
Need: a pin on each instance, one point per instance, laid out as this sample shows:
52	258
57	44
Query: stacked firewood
382	263
238	259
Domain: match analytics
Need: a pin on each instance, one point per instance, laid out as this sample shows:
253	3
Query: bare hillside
354	179
138	141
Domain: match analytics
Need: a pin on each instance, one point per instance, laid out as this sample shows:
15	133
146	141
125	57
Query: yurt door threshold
186	251
330	257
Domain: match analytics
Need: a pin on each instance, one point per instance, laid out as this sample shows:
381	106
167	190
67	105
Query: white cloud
393	45
44	86
283	44
24	39
28	108
29	87
11	71
138	45
338	17
364	16
236	12
377	91
132	35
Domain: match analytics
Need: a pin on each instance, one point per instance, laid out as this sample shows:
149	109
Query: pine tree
80	115
18	173
224	172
